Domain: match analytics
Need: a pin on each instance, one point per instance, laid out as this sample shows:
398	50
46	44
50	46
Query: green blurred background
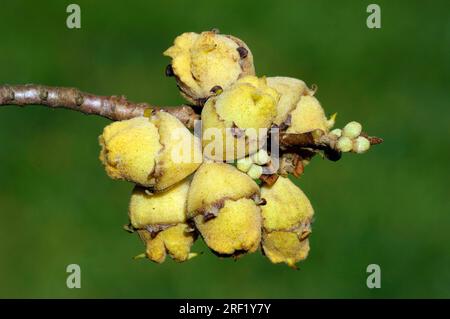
389	207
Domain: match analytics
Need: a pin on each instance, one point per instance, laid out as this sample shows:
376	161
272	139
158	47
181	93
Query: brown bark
115	108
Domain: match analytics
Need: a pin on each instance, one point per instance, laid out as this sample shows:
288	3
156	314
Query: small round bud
352	129
344	144
244	164
337	132
261	157
361	145
255	171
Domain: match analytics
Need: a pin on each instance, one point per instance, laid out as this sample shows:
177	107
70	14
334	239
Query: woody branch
113	107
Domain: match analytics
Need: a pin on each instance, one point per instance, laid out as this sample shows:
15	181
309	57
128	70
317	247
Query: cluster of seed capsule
219	197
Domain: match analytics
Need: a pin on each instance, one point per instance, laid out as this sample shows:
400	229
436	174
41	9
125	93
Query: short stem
115	108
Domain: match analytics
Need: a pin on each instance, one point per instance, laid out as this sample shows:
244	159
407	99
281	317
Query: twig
321	142
115	108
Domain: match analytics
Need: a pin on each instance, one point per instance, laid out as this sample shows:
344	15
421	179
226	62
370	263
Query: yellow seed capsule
236	230
214	182
201	62
344	144
164	208
361	145
232	120
181	153
352	130
161	222
129	150
287	219
297	107
154	152
176	241
290	90
308	116
285	246
221	203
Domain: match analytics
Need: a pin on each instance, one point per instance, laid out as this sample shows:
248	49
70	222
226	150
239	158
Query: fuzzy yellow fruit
164	208
201	62
297	107
181	153
231	120
155	153
129	150
290	90
285	246
161	222
213	183
287	219
236	229
221	202
308	116
175	241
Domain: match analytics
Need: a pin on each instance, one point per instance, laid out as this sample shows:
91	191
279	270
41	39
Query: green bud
352	129
261	157
244	164
337	132
344	144
361	145
255	171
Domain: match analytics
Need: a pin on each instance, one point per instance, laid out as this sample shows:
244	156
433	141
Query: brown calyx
212	210
302	229
269	179
151	231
